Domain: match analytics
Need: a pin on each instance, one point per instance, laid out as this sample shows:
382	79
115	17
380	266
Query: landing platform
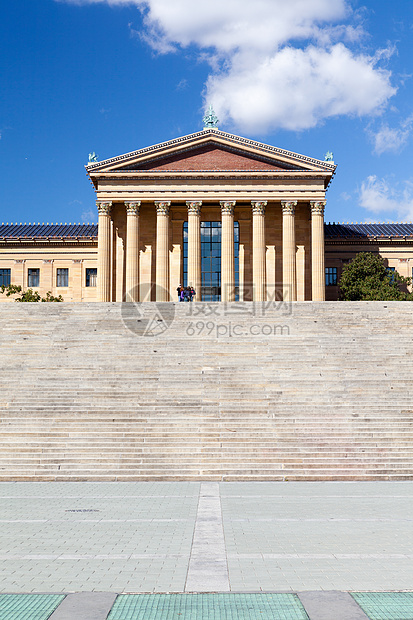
269	550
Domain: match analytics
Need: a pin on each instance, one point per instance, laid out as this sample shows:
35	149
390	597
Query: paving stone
209	607
386	605
251	537
25	606
85	606
208	570
331	606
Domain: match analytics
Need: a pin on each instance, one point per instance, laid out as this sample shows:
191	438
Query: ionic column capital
317	207
194	207
288	207
227	207
162	207
258	207
132	208
104	208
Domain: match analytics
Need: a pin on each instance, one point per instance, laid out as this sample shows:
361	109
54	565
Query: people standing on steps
186	293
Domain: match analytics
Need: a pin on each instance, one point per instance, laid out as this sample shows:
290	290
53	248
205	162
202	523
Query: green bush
367	278
29	295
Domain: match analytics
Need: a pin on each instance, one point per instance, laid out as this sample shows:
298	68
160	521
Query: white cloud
88	216
378	196
297	88
239	24
274	63
388	139
182	85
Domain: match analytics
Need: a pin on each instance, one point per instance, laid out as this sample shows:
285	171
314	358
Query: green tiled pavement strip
24	606
386	605
207	607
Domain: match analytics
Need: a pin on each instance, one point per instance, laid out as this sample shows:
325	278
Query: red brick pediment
209	150
208	157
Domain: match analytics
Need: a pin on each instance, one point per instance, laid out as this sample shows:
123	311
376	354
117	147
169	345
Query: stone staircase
164	392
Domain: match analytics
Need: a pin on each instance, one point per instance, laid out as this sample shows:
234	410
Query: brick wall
209	158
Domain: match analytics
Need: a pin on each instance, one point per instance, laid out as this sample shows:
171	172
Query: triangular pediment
211	156
210	150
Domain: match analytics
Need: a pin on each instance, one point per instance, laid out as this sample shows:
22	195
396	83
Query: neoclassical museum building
234	218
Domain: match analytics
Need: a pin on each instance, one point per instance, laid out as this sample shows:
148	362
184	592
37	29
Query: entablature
139	176
39	241
211	198
385	241
213	186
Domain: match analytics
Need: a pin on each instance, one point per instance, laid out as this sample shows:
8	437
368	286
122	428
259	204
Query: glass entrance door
211	260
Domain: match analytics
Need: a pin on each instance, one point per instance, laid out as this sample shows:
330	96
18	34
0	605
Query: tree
29	295
366	278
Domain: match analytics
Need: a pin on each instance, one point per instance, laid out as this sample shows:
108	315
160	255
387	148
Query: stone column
104	251
300	262
194	246
132	250
162	250
317	251
227	251
258	250
289	260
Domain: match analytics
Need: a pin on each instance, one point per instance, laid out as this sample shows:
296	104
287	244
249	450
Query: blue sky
113	76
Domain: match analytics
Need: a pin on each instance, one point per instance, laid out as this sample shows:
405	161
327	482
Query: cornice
42	241
369	240
213	133
146	175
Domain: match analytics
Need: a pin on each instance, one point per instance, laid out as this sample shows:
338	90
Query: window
331	276
33	277
5	276
62	277
390	271
211	260
91	276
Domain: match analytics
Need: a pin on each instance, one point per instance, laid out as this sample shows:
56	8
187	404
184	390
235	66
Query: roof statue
92	158
210	119
329	156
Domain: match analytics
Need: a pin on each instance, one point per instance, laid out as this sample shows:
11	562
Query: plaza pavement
320	540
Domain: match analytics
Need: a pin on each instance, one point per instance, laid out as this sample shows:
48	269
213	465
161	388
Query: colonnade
227	249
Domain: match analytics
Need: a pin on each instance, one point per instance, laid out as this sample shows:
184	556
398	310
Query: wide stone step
82	397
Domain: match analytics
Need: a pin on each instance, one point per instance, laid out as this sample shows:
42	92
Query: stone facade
62	257
18	255
396	249
275	199
211	176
